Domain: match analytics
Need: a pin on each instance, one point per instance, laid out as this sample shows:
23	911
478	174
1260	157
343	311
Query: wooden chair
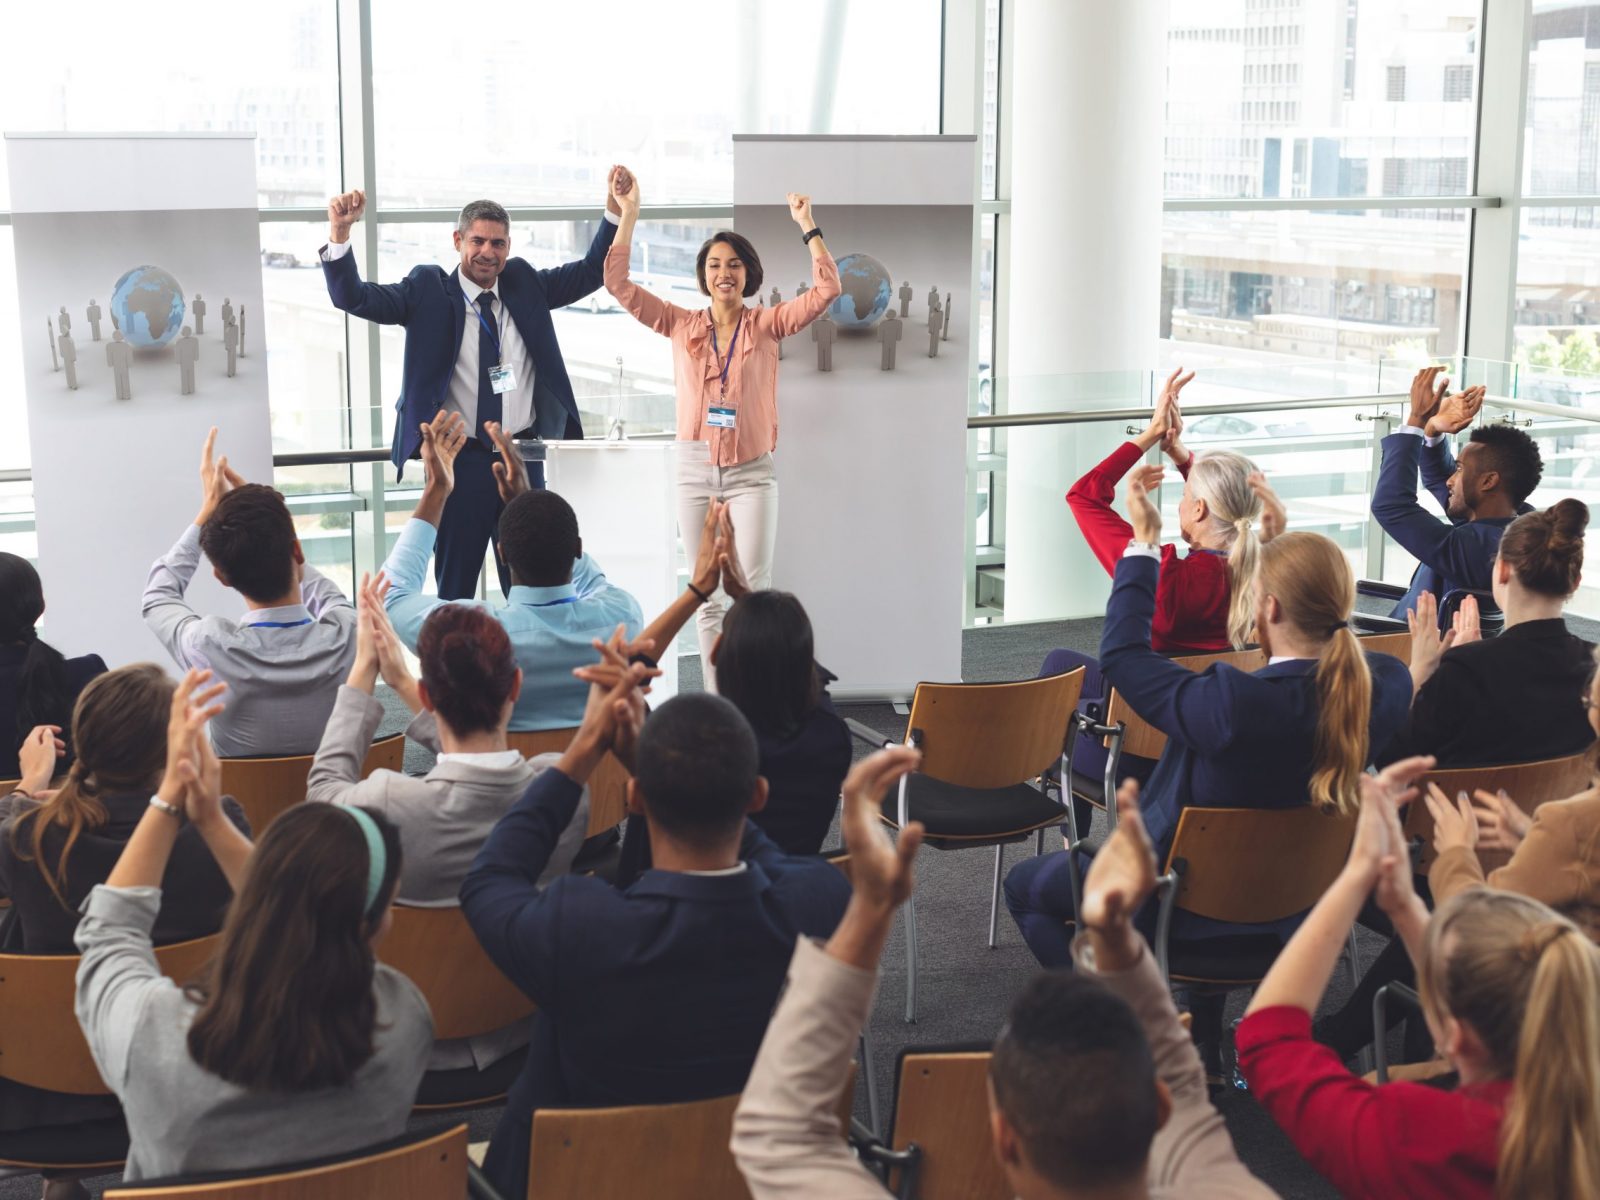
608	786
1245	866
42	1046
267	787
7	786
664	1151
985	747
425	1167
1530	784
436	949
941	1124
1396	645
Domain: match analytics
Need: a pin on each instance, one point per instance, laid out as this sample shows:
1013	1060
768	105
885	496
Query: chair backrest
990	735
1144	740
1491	621
435	948
7	786
943	1106
433	1168
664	1151
1253	865
41	1043
267	787
1530	784
1396	645
608	786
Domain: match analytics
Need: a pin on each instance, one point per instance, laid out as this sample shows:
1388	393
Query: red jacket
1398	1139
1192	593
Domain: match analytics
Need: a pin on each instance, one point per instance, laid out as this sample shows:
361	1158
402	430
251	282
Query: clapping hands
192	780
615	709
38	755
1120	879
880	870
442	440
217	479
1142	510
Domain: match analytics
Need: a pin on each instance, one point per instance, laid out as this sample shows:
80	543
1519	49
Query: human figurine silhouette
906	296
241	331
822	333
802	289
63	320
230	341
935	323
777	296
94	320
198	311
50	328
227	312
188	355
69	359
119	356
944	335
890	330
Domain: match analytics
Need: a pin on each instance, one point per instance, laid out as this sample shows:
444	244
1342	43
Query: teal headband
377	858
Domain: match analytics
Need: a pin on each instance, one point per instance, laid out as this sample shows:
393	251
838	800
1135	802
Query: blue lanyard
279	624
491	330
732	342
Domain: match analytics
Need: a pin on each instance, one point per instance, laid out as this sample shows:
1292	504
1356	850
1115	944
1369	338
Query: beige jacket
786	1134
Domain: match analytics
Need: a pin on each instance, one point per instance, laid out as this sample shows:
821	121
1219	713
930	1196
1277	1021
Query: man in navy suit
480	342
660	993
1481	494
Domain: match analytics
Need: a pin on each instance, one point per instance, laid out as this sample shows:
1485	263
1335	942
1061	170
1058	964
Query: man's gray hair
482	210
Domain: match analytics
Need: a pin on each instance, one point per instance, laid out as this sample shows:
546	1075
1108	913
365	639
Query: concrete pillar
1086	111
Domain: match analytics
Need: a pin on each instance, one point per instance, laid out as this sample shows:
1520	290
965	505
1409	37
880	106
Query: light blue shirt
551	628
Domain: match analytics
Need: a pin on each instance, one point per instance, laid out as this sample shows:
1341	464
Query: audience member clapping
293	1044
282	663
1095	1088
661	992
1510	990
38	685
1510	699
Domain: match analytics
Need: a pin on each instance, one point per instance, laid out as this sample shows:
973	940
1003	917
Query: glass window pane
1562	147
189	66
13	400
1263	292
1354	98
534	102
1558	306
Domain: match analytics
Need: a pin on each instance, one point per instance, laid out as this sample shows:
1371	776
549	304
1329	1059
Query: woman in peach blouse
725	369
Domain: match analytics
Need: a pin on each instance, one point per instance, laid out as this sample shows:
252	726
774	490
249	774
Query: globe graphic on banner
148	306
865	291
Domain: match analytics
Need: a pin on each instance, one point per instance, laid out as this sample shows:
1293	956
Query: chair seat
973	814
90	1144
468	1086
1232	959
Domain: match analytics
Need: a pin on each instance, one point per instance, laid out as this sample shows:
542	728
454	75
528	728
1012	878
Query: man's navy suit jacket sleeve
571	282
1438	464
385	303
1427	538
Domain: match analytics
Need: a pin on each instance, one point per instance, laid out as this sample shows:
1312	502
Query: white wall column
1088	82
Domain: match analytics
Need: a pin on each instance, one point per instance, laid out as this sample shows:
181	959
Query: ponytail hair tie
1244	524
1540	938
1333	629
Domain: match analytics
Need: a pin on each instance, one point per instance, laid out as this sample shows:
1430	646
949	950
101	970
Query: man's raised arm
385	303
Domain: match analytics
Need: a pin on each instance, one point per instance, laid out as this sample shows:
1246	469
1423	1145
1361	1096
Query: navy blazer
429	303
1449	554
657	994
1235	739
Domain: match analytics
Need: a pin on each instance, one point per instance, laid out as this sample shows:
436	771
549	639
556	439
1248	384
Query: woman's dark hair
743	251
467	665
1545	549
287	1004
120	731
42	695
766	662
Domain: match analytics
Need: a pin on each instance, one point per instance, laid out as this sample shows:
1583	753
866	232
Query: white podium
623	493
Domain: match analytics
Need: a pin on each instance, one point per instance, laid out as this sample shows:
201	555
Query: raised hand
343	212
194	702
1464	622
1456	412
1427	644
1274	517
1427	389
707	569
1453	824
1142	510
1502	825
734	581
1379	850
364	668
1123	875
442	440
38	755
800	210
510	473
217	478
880	870
622	192
201	773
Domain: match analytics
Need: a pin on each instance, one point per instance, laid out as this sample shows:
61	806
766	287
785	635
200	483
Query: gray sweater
181	1118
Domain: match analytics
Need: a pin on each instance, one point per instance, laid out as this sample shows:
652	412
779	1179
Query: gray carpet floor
964	988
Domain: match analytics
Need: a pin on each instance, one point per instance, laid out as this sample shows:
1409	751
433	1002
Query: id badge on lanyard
723	415
502	375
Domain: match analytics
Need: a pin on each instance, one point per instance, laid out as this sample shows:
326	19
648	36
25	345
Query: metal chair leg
1038	843
911	959
994	900
869	1075
1355	959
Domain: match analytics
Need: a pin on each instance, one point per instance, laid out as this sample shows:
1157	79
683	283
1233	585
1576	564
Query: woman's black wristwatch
815	232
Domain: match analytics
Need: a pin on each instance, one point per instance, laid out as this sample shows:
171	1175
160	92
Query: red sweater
1400	1139
1191	594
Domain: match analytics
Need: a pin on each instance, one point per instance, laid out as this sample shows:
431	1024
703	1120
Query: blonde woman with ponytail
1511	992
